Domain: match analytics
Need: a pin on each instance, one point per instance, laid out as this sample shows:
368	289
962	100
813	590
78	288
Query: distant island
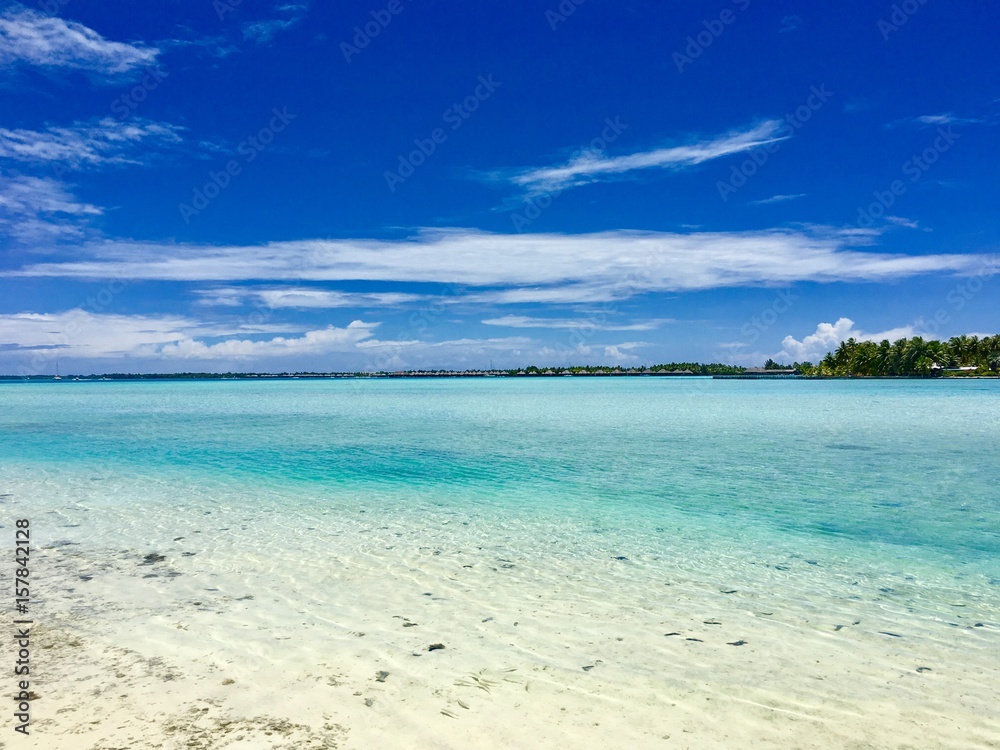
679	369
961	356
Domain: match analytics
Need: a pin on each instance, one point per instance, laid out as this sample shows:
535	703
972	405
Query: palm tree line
909	357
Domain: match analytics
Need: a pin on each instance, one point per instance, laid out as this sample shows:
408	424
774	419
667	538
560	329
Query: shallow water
630	505
847	464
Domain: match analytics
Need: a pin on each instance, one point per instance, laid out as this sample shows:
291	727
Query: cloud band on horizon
540	267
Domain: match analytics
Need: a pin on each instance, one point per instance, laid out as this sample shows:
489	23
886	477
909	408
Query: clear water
771	558
890	475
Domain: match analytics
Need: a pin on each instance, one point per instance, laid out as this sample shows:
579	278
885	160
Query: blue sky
213	186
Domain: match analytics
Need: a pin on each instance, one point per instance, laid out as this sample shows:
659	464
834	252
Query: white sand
188	661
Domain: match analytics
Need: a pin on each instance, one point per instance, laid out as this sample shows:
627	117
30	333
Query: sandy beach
201	636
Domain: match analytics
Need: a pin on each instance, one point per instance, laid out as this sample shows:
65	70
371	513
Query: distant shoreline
451	375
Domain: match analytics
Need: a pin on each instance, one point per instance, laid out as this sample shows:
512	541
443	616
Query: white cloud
322	341
556	268
815	346
901	221
938	120
620	352
745	358
590	354
828	336
40	195
521	321
100	143
262	32
39	210
778	199
591	166
451	354
27	36
482	345
81	334
935	119
389	354
566	294
303	298
36	340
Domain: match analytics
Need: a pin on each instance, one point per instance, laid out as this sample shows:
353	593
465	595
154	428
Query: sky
226	185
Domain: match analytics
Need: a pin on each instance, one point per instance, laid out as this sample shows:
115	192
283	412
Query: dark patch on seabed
849	447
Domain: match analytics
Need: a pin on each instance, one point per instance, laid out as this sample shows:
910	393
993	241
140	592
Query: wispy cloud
27	36
320	341
540	267
901	221
591	353
521	321
105	142
40	210
930	121
262	32
778	199
152	339
482	345
592	166
790	23
302	298
84	334
948	119
40	195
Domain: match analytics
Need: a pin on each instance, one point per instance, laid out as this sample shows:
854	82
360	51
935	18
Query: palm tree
883	360
964	348
991	352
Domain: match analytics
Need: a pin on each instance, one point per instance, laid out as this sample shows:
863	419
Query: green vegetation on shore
672	369
913	357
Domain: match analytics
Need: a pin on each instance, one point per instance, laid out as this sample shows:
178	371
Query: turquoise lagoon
901	468
840	534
